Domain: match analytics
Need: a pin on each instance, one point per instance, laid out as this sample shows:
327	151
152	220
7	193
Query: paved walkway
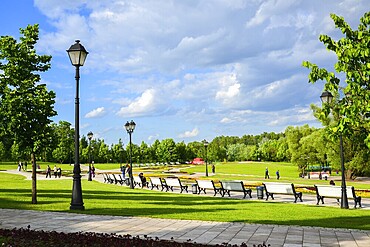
196	231
183	230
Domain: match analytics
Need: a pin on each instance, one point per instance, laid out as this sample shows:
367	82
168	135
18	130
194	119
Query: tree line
301	145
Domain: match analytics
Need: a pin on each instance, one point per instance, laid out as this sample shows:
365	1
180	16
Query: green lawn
55	195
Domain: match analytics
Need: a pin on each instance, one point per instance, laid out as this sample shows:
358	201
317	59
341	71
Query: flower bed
26	237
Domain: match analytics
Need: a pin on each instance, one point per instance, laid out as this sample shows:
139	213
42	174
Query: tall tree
351	107
26	106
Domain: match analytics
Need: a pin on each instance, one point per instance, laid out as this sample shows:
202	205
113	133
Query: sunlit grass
107	199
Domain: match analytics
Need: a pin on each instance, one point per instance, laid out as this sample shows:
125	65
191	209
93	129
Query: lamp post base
77	207
77	202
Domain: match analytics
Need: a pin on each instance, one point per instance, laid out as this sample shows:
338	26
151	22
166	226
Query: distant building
198	161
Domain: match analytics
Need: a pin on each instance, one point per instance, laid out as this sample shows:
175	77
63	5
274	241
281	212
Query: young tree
26	107
351	113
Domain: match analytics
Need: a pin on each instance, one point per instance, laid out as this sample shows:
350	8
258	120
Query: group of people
22	166
267	175
57	172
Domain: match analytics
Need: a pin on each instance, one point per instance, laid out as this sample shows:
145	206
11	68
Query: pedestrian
213	168
128	169
19	166
143	180
48	172
267	173
93	170
277	174
55	171
123	170
59	172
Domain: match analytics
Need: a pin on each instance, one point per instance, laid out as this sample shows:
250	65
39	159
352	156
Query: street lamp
77	54
205	143
326	98
89	136
130	127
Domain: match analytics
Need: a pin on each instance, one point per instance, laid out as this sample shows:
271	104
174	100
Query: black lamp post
77	54
89	136
205	143
130	127
326	98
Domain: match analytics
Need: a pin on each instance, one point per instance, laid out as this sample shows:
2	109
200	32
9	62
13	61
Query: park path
185	230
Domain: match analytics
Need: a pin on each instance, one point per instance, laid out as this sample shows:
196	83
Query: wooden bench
109	178
281	188
331	191
116	180
105	178
207	184
137	181
228	186
156	182
170	183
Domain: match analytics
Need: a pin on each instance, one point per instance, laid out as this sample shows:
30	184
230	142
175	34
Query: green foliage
350	115
26	107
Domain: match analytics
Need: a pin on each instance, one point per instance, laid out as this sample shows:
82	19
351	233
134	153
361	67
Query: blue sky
187	70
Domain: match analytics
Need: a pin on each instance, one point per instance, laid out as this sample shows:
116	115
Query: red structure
198	161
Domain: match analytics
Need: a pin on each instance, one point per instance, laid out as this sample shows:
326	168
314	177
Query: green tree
350	115
26	107
63	135
2	151
166	150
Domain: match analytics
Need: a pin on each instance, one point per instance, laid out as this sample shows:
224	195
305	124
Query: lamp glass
132	125
90	135
326	97
77	54
127	126
205	143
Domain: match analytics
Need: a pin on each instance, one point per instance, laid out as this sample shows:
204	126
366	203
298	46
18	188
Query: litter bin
260	190
194	188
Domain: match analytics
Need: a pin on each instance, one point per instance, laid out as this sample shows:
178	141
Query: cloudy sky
184	69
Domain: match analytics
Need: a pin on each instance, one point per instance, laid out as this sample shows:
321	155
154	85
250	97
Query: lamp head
326	97
90	135
77	54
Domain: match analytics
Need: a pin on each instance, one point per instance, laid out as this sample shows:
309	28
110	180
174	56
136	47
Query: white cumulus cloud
188	134
143	104
98	112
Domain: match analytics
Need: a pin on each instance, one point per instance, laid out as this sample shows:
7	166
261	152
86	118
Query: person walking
277	174
267	176
48	172
55	171
123	170
93	170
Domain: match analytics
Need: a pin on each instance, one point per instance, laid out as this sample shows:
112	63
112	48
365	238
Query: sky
184	69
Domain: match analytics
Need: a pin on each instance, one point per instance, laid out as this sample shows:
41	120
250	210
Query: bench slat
333	191
281	188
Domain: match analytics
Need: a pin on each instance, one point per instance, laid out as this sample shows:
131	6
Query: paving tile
187	230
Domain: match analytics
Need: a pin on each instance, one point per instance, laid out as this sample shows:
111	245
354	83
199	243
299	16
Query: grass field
107	199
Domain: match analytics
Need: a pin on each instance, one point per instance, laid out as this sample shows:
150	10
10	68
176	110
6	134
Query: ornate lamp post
326	98
89	136
205	143
77	54
130	127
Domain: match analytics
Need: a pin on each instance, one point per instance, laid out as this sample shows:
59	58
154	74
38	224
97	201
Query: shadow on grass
157	204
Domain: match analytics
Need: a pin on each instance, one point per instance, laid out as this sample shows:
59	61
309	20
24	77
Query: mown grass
107	199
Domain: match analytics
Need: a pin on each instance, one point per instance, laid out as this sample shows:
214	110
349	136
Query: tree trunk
34	194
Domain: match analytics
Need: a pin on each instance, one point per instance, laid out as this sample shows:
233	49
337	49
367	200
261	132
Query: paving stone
185	230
